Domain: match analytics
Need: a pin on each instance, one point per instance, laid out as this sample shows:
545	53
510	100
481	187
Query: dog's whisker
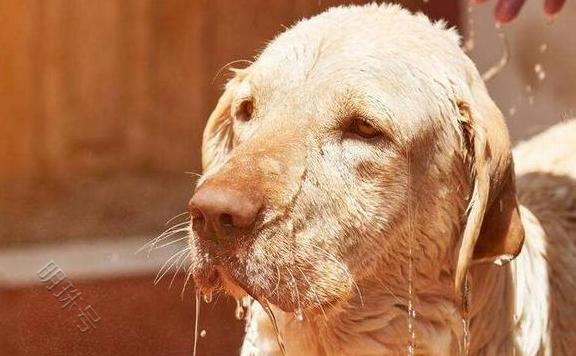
151	245
277	281
298	313
185	237
176	217
183	259
167	266
188	275
311	288
164	269
166	233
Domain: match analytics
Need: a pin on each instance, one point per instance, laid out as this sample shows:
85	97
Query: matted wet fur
388	191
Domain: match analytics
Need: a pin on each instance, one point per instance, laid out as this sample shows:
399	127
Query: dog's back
546	185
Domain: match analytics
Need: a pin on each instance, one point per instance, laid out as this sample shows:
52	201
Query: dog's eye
363	129
244	111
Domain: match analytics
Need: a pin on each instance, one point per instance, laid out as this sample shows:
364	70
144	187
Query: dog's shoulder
546	185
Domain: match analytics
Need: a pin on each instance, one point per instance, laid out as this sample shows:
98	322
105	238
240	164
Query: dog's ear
218	137
493	230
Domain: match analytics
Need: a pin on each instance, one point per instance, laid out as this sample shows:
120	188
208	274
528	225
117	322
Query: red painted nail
551	7
507	10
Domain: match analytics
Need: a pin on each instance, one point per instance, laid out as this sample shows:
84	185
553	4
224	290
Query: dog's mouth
274	272
212	275
217	277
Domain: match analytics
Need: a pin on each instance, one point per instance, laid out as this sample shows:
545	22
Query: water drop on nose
299	315
208	297
239	312
203	333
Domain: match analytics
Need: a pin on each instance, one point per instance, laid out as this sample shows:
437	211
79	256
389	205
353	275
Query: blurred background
102	105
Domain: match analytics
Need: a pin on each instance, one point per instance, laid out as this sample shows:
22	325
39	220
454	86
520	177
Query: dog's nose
223	210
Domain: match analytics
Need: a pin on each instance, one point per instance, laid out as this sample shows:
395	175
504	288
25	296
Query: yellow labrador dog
359	185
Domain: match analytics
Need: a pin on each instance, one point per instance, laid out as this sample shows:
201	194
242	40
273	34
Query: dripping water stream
469	42
464	349
272	318
496	68
411	310
196	321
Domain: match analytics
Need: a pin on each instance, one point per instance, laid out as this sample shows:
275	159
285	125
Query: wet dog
359	184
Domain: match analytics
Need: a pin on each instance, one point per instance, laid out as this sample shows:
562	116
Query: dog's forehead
364	49
342	39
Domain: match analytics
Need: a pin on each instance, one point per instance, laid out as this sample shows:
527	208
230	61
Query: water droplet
504	259
203	333
239	312
539	72
531	100
512	111
299	315
537	67
208	297
543	48
528	88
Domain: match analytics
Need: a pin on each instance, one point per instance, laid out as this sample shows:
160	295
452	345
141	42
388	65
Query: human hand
507	10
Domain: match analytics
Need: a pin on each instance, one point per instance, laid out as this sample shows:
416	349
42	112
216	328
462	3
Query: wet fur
349	225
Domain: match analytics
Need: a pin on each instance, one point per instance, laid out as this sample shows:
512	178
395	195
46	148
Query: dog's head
357	138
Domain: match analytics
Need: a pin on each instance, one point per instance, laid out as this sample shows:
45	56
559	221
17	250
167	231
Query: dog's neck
503	311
